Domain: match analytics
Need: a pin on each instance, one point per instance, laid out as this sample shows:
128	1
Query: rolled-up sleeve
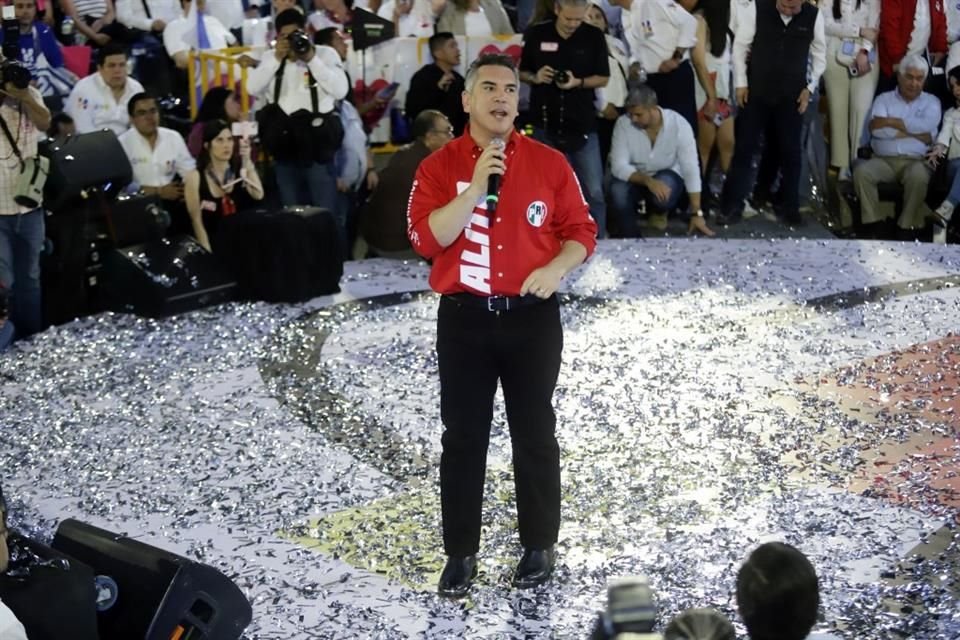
925	119
327	68
946	130
687	157
620	165
426	196
573	218
881	110
259	78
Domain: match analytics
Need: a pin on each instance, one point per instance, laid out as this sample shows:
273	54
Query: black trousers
521	348
675	91
754	121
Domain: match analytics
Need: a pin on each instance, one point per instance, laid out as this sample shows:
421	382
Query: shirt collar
468	146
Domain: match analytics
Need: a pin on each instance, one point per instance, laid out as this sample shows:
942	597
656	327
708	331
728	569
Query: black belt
494	303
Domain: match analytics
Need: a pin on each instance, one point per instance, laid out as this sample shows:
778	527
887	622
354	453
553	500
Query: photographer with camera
40	52
299	127
23	119
564	61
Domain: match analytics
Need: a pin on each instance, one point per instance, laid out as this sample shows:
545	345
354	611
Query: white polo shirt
181	35
92	106
666	27
157	167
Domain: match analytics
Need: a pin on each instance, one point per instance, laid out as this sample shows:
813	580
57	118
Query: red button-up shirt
541	206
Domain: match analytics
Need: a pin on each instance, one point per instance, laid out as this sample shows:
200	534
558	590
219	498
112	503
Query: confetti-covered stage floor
714	394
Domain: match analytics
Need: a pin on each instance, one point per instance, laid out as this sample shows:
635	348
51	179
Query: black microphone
493	182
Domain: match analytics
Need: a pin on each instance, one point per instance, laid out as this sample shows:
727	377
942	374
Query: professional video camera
630	610
10	70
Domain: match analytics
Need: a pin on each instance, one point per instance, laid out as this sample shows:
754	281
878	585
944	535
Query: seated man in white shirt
305	86
158	155
653	157
147	15
903	125
180	36
99	101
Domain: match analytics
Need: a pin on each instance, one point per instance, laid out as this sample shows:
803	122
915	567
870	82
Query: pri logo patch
537	213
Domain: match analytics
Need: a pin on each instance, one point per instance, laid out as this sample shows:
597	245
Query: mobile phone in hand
387	92
245	129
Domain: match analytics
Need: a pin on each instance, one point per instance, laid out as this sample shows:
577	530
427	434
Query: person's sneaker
945	211
657	221
749	211
845	175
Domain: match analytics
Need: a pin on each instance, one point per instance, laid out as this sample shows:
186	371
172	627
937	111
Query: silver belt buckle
491	300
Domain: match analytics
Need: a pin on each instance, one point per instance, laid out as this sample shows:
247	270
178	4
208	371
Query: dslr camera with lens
630	609
10	70
561	77
15	73
300	42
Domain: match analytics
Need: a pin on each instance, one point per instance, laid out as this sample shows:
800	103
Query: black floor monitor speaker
42	580
156	595
163	278
82	162
302	260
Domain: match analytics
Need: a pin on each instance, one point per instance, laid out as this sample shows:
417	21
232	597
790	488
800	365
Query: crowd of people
649	100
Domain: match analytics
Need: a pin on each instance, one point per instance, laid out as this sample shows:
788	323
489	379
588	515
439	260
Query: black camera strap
13	143
147	9
278	82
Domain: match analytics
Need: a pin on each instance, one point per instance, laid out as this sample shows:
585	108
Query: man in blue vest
782	37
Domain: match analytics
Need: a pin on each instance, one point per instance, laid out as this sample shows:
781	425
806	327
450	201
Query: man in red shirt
497	272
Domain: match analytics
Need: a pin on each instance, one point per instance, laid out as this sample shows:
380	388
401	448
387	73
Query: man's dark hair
287	17
55	122
490	60
324	37
110	49
777	593
143	96
437	40
425	121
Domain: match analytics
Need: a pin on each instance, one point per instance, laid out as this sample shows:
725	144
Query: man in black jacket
787	47
438	85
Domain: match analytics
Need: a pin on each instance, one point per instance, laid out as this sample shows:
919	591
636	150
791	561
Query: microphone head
498	143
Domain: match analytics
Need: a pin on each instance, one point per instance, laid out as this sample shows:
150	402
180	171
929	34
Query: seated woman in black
220	186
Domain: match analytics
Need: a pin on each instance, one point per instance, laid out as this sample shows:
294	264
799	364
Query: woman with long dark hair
713	60
851	75
221	186
220	103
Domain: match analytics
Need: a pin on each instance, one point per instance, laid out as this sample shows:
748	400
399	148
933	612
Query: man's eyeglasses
447	132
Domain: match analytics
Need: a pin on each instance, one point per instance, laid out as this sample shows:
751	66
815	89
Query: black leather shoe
534	568
457	576
728	219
